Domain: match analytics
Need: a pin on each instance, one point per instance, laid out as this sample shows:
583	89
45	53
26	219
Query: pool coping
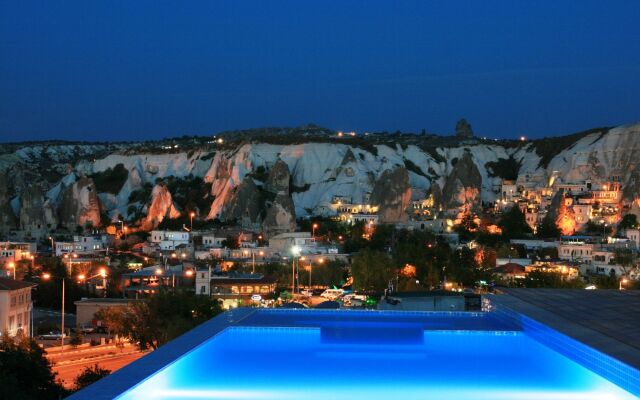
602	354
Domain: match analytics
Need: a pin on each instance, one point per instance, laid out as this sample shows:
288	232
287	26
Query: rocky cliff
270	180
392	195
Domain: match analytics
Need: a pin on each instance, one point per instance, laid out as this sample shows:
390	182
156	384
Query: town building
241	289
16	306
285	242
87	308
169	240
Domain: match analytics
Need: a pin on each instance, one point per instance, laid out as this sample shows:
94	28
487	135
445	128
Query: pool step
372	333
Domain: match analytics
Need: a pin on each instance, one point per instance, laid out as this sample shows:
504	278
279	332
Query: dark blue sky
99	70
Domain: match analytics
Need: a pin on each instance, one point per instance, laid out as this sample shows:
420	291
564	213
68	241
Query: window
11	322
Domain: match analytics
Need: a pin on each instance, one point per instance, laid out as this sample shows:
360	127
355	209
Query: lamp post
192	214
12	265
313	230
53	251
295	250
48	276
623	282
102	273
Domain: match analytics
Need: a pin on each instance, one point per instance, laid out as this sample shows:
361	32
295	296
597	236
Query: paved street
73	361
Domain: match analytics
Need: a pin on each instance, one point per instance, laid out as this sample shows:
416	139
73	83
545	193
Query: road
72	363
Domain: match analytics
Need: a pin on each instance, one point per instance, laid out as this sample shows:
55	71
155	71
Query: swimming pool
313	354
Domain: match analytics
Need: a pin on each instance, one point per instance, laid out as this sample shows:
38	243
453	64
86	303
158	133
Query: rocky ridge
268	182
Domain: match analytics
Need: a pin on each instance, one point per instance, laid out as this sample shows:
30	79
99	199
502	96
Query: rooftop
103	301
606	320
12	284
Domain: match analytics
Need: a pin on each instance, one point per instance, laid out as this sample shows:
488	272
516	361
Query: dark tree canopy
514	225
548	228
25	373
164	316
89	376
371	270
629	221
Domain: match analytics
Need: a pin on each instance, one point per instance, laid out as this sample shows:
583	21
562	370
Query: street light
122	228
320	261
102	273
47	276
313	229
623	282
12	265
295	251
53	251
192	214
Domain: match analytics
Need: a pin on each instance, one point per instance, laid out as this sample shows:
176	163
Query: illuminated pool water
325	355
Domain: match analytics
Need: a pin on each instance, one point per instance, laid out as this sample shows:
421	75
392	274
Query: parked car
86	329
307	292
51	336
332	294
353	299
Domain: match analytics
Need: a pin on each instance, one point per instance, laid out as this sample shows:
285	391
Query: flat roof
12	284
103	301
606	320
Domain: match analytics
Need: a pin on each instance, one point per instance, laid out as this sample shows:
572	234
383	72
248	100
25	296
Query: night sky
113	70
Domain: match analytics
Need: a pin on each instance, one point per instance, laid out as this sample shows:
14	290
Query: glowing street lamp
313	229
12	265
53	251
295	250
192	214
101	273
47	276
623	282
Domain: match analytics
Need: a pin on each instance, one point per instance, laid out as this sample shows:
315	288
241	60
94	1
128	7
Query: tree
25	373
463	268
625	258
329	273
629	221
231	242
76	338
466	227
547	228
155	321
89	376
513	224
371	270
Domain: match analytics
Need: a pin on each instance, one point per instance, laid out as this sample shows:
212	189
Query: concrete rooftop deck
606	320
